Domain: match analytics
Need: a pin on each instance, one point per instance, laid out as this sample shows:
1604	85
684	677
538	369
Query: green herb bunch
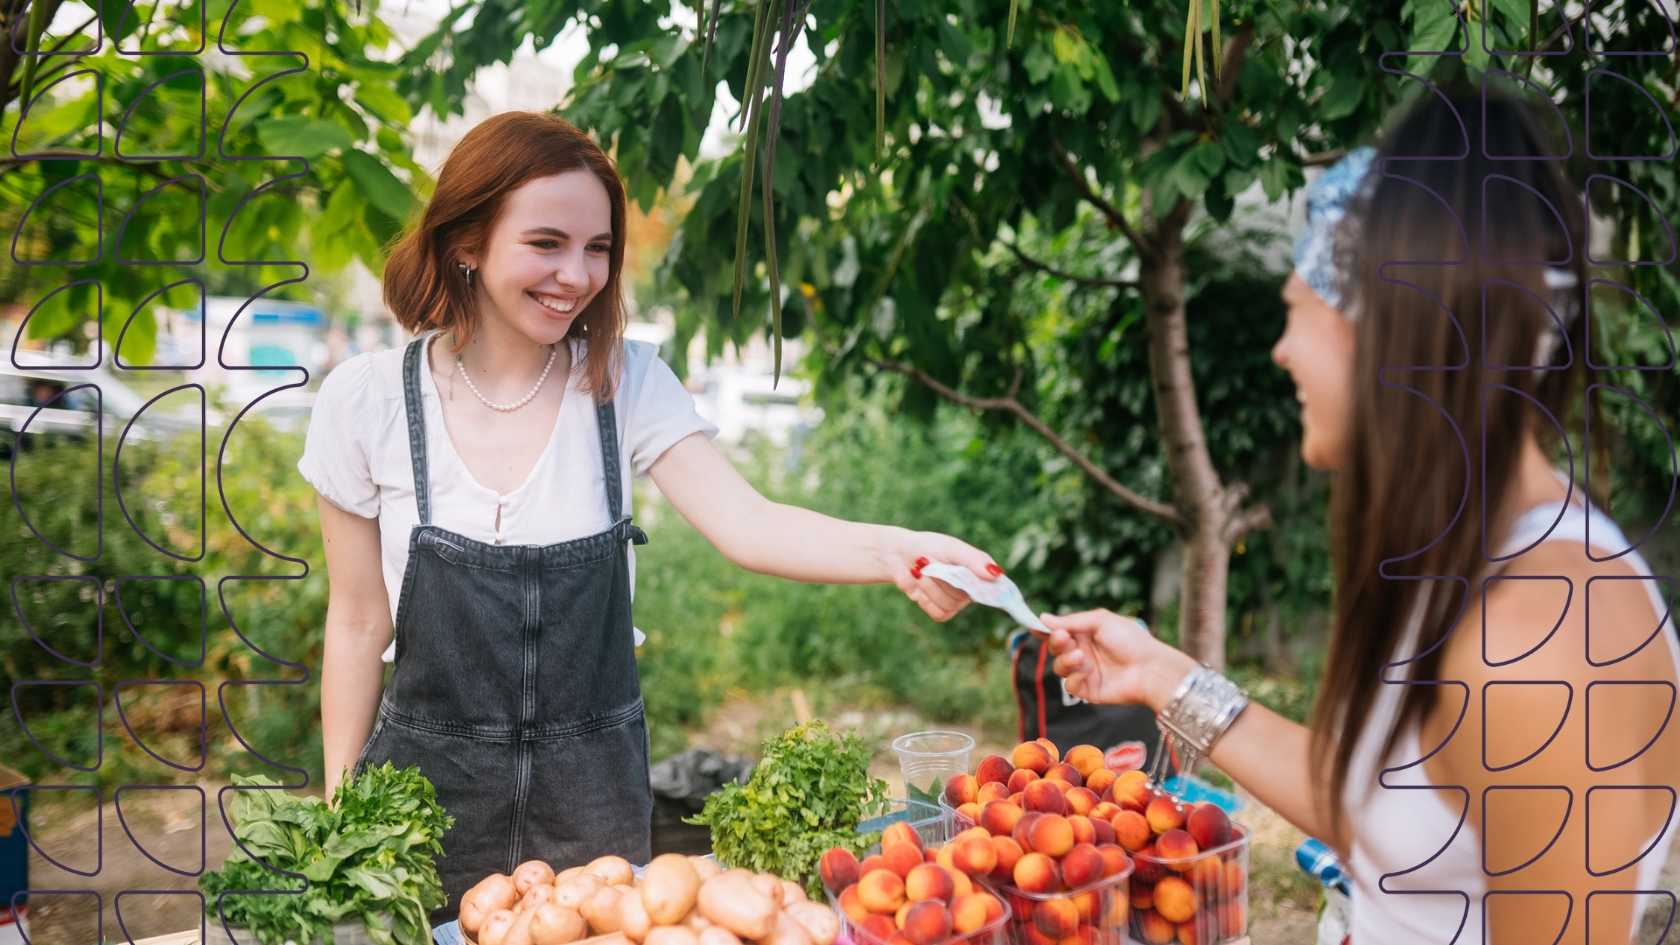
807	795
368	856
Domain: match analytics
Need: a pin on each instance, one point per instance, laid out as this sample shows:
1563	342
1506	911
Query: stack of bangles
1200	710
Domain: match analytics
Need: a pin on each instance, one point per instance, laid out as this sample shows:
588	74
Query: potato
819	921
612	869
672	935
788	931
718	935
633	919
576	891
493	930
669	888
615	938
568	873
601	910
706	867
556	925
695	920
624	887
770	886
532	873
735	902
493	892
519	933
793	892
534	897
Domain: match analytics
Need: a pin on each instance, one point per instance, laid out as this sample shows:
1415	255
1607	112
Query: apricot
899	938
881	892
991	791
1008	854
1131	795
927	922
968	913
1115	860
1177	848
1050	749
1083	830
871	863
1088	903
1233	918
1103	831
1082	866
1146	867
1065	773
1023	827
976	856
900	832
902	858
969	812
994	906
1019	779
1131	830
1143	896
1051	835
1099	780
1030	935
1209	826
898	917
1164	814
1056	918
1105	810
1045	797
852	906
1033	756
881	927
1115	910
1155	928
929	881
1206	874
999	817
1018	799
838	868
961	789
1202	929
1174	899
1037	873
993	769
943	857
961	885
1232	883
1081	801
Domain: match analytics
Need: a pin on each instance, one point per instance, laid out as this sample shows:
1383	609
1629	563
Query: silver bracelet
1202	707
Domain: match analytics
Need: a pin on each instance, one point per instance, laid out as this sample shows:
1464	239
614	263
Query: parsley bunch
367	856
808	794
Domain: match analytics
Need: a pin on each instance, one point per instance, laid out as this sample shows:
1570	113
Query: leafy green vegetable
368	856
807	795
929	796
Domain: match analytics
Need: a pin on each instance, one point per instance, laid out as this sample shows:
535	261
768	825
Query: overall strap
607	420
417	426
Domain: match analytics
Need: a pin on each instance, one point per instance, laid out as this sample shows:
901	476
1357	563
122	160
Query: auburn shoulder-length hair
423	287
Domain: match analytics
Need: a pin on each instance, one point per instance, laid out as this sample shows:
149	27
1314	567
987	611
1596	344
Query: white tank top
1417	865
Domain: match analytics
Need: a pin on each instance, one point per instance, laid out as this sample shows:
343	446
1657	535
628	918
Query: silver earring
466	272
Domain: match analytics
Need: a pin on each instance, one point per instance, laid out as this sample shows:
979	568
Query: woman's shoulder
375	374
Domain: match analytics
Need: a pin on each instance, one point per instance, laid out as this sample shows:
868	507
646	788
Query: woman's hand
1107	658
915	550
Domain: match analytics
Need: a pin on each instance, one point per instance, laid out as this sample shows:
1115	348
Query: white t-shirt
356	456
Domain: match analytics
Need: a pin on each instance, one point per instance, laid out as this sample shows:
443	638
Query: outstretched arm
357	632
790	542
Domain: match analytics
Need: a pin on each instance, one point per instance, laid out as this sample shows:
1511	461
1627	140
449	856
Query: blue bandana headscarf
1327	203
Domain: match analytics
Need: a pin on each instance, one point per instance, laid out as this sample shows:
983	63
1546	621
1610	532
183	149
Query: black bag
1047	711
681	784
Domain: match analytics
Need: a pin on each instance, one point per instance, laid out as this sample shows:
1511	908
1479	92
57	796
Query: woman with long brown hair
475	504
1472	722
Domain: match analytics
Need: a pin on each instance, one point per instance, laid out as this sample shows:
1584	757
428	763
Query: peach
976	856
1099	780
900	832
961	885
898	917
944	856
1174	899
1045	797
1086	758
1131	795
999	817
871	863
993	769
1019	779
1105	810
1131	830
1023	829
838	868
970	812
899	938
927	923
968	913
1115	860
1156	929
1030	935
1037	873
881	892
852	906
1089	903
1164	814
1084	935
1209	826
1135	774
1146	868
1103	831
901	858
1081	801
974	831
991	791
1202	929
994	906
1083	830
1143	896
961	789
929	881
1008	854
1033	756
1051	835
1066	773
882	927
1115	910
1018	799
1050	749
1177	848
1056	918
1082	866
1206	874
1233	918
1232	883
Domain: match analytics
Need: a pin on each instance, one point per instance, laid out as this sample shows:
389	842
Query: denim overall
514	686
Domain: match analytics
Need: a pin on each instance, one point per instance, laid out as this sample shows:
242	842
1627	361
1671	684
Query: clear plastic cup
927	757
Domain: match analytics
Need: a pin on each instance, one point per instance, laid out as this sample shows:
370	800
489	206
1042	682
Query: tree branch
1324	157
1010	405
1231	61
1098	281
1115	218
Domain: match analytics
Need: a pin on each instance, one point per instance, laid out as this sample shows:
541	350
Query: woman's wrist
1167	671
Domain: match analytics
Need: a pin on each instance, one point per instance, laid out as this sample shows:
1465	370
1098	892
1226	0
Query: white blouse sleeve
663	411
335	455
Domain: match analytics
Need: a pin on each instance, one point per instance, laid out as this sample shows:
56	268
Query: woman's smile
554	303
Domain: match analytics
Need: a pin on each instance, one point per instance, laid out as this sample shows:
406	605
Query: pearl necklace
552	351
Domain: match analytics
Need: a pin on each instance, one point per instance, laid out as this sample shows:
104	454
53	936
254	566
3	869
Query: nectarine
999	817
1008	854
1050	749
929	881
1174	899
1177	848
900	832
838	868
1156	929
968	913
1209	826
1088	903
1023	829
881	891
1083	830
1233	918
976	856
1082	866
1164	814
1205	874
1131	830
1063	771
871	863
1115	860
961	885
1146	868
1051	835
902	857
1086	758
993	768
1099	780
852	906
1037	873
1143	896
961	789
992	791
927	923
1081	801
1103	830
1019	779
882	927
1105	810
1056	918
970	812
1032	756
1045	797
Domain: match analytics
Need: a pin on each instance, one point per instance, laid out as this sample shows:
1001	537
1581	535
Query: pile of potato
680	900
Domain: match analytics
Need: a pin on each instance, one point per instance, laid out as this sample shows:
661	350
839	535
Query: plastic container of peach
954	916
1200	899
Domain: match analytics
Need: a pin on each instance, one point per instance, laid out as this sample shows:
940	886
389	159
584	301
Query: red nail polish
916	573
993	570
921	562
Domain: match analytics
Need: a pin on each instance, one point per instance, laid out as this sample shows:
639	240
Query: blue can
1315	857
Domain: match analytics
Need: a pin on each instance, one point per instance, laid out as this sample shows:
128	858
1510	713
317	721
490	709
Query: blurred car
55	387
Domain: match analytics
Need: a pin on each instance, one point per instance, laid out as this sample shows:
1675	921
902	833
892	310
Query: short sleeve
663	412
335	451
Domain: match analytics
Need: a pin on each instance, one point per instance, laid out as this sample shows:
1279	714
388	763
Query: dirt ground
167	826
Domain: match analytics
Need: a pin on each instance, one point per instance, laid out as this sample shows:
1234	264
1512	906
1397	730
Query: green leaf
1516	11
111	14
1039	63
1342	98
300	136
384	102
1274	177
1105	77
1433	30
383	190
1242	144
1209	156
1146	109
